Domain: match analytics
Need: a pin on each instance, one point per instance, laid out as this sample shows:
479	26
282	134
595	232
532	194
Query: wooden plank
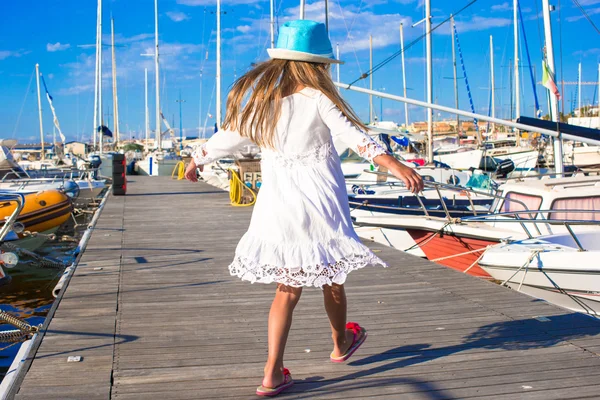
163	319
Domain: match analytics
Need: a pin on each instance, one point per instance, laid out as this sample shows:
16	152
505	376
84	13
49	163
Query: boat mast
327	16
558	151
516	48
337	66
370	78
579	91
302	9
455	75
429	82
403	72
101	116
272	5
492	82
218	113
37	77
114	81
157	77
95	130
147	120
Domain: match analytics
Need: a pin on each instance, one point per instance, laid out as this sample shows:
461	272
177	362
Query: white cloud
586	53
76	89
177	16
477	23
178	61
213	2
502	7
244	28
12	53
57	46
591	11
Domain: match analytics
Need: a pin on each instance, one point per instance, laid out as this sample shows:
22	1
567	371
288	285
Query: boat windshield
590	203
522	202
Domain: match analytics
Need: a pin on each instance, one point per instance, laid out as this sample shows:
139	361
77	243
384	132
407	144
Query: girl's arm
364	145
221	144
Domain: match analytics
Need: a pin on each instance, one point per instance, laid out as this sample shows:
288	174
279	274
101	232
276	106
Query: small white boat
562	269
459	157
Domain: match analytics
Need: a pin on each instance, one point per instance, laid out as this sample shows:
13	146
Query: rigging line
464	70
348	38
417	40
537	13
585	14
356	15
23	105
538	110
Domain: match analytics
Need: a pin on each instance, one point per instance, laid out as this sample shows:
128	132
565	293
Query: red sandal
271	392
356	342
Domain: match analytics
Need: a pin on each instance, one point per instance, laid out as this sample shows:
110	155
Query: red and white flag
548	80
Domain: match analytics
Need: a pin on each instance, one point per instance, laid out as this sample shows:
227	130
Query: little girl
301	233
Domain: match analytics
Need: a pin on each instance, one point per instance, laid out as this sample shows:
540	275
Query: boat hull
459	253
551	268
42	212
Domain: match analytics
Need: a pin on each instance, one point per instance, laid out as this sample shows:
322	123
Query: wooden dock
154	314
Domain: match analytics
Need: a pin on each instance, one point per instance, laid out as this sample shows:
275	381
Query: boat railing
512	216
9	222
591	171
437	186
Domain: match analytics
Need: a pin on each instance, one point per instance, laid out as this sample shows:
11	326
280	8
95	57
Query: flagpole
37	76
558	150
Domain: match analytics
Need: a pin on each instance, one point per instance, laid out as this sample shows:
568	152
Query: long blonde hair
265	86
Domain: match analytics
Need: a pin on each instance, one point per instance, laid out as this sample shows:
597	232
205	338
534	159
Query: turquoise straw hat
303	40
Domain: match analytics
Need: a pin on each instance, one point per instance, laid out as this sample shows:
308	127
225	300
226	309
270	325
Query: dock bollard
119	177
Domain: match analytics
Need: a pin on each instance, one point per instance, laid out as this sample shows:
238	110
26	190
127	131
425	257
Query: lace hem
320	153
200	156
369	149
314	275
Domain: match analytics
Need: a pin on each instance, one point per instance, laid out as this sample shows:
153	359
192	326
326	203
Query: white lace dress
301	233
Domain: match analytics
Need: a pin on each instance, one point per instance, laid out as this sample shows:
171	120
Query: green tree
133	147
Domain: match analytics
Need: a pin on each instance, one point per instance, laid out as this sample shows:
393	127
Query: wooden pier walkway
155	315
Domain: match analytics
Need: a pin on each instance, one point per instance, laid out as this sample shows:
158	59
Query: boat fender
453	180
8	259
71	189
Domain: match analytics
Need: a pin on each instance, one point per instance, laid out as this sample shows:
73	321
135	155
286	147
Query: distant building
78	148
31	151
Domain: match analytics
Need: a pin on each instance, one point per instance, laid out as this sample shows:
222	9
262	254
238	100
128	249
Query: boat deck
154	314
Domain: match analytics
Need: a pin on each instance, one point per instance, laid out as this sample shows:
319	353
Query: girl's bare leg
280	321
336	307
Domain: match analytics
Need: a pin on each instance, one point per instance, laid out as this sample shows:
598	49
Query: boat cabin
573	198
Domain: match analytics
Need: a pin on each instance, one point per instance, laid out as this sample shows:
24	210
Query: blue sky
51	34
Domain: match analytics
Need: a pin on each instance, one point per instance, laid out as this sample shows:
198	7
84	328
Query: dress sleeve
343	129
221	144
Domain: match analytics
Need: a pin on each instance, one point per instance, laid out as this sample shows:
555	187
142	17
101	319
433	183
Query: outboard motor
504	168
95	162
